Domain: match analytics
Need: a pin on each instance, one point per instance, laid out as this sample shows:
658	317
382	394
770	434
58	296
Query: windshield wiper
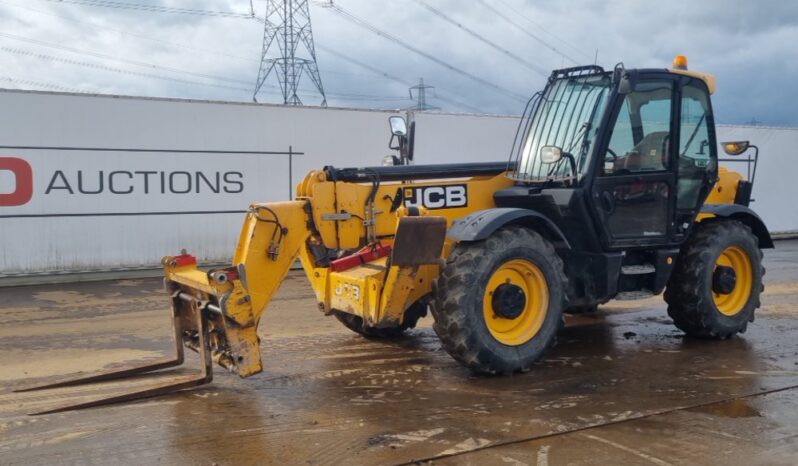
567	154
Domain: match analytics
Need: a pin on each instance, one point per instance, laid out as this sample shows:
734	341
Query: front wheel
715	286
498	303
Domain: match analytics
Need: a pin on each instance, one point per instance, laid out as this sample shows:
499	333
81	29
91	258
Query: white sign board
102	183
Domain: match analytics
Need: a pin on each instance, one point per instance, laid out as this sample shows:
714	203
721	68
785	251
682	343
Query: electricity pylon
288	51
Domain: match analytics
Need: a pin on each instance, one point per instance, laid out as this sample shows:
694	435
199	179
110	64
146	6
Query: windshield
565	115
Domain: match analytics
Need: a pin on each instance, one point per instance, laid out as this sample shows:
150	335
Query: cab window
641	136
694	148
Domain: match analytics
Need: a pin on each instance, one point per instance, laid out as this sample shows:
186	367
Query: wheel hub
732	280
508	301
724	280
515	302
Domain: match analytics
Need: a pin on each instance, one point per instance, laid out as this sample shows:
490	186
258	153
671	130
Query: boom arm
234	299
341	214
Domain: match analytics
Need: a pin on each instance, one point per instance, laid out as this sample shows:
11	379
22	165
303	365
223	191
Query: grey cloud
748	45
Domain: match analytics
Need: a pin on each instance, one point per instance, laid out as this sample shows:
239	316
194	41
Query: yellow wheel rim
737	259
528	277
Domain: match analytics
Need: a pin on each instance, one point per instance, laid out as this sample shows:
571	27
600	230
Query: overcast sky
749	45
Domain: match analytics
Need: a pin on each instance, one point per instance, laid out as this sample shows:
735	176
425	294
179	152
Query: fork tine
163	364
206	372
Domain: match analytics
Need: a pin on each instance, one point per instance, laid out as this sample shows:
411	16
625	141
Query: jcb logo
437	197
16	189
351	291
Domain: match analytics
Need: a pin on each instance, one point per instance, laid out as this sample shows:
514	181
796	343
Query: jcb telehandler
613	191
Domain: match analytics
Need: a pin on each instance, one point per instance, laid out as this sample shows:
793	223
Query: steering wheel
613	154
687	163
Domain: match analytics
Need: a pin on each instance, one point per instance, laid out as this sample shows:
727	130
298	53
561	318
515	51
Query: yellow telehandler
613	191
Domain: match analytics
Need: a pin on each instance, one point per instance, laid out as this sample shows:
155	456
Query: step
641	269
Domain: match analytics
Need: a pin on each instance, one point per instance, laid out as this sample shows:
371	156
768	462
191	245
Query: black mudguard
744	215
481	224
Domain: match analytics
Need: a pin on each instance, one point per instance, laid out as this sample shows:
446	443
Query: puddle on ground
731	409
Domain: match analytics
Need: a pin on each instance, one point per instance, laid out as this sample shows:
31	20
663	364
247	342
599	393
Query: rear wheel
715	286
355	323
498	303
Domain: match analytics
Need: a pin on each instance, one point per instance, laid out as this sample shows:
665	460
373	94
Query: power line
153	8
397	79
50	86
526	31
156	8
483	39
26	53
542	28
364	65
118	59
96	66
250	16
357	96
127	33
370	27
369	97
344	96
154	39
161	77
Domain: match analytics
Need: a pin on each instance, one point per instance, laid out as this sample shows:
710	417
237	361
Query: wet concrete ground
621	387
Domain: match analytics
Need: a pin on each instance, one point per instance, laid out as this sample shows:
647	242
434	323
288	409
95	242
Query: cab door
633	192
697	156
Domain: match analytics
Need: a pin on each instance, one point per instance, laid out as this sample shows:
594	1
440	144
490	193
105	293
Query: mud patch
66	298
46	363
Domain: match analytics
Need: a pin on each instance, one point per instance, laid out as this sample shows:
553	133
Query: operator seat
650	154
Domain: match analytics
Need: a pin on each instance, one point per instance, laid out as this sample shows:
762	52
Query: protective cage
562	115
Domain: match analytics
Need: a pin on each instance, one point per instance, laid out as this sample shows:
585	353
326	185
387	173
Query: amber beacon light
680	62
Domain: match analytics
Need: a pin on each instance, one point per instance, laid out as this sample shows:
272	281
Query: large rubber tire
459	292
355	323
690	289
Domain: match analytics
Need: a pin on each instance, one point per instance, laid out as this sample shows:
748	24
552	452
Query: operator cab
617	159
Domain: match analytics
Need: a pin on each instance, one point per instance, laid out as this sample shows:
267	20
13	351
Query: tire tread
460	275
692	310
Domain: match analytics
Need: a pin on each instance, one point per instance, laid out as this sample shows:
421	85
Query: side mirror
736	147
550	154
398	126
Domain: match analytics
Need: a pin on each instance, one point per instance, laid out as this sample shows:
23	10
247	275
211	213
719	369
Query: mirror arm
403	148
756	162
391	144
411	141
